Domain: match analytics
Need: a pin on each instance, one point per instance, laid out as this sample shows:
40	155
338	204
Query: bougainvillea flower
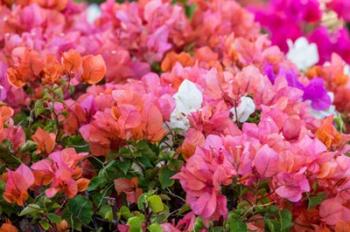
129	187
244	109
17	184
8	227
61	170
334	210
266	161
171	58
193	138
303	54
94	69
188	99
45	141
293	185
328	134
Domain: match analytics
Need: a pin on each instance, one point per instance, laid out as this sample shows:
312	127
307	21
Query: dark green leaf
236	224
80	209
285	219
316	200
54	218
165	175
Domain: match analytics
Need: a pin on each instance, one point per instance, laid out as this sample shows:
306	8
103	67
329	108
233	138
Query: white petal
93	12
188	98
245	108
302	53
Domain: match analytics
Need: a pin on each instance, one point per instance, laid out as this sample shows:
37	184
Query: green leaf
164	177
39	107
31	209
236	224
54	218
155	203
124	166
77	142
28	146
79	208
270	225
125	212
316	200
189	10
135	223
142	201
285	219
45	224
155	227
106	212
198	224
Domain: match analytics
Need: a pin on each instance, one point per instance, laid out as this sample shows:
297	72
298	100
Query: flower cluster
163	115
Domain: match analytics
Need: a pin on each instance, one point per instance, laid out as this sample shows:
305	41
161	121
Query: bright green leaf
45	224
135	223
31	209
155	227
155	203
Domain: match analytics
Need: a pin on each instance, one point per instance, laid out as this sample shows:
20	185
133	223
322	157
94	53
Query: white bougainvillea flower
244	109
188	99
302	53
93	12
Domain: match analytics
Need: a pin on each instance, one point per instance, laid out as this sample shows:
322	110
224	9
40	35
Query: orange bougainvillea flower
94	69
17	184
172	58
129	187
328	134
83	184
342	226
72	61
8	227
193	139
53	4
27	64
45	141
52	71
5	114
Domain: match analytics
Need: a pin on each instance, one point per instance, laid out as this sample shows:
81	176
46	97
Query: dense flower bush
163	115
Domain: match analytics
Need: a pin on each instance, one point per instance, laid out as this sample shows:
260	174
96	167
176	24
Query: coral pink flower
62	172
292	185
17	184
333	210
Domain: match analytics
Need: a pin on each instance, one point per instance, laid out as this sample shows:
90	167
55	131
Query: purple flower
315	91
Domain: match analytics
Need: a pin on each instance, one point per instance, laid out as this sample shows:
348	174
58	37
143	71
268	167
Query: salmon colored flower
45	141
27	65
53	4
328	134
17	184
94	69
72	61
8	227
129	187
52	70
172	58
193	139
61	170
